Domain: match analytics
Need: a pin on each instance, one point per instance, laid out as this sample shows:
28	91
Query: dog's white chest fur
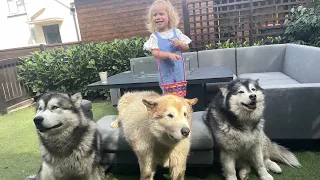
73	164
238	140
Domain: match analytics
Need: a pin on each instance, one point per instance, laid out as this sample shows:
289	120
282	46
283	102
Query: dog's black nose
38	120
253	96
185	131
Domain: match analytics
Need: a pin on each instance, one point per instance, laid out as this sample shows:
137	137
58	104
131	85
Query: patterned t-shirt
152	42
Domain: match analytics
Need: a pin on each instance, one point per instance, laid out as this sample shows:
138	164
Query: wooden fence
211	21
11	90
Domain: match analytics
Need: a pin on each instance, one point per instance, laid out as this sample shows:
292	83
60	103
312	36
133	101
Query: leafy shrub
73	68
230	44
304	25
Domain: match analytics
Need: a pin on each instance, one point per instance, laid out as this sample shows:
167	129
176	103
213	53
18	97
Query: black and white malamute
69	141
235	117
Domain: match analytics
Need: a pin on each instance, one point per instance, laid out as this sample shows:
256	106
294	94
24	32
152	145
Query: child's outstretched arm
164	55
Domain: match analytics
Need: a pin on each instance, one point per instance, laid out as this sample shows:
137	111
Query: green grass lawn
20	156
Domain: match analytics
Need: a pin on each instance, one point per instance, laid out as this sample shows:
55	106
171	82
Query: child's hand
176	42
174	57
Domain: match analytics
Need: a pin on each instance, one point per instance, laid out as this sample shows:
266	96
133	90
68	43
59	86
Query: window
16	6
52	34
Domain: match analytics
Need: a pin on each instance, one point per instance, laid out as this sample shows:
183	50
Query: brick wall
104	20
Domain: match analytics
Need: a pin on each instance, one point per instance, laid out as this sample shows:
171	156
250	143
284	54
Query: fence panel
211	21
12	91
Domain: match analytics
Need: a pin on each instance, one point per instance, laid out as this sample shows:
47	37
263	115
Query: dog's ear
149	104
76	99
192	101
224	90
257	81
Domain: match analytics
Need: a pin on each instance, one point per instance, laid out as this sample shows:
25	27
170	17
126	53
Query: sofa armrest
302	63
292	111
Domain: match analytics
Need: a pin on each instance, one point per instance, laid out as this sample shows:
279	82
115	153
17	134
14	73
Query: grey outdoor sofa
288	73
290	76
291	79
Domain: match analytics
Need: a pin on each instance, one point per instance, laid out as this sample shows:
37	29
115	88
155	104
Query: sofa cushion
218	57
278	82
201	137
255	59
270	78
265	75
114	140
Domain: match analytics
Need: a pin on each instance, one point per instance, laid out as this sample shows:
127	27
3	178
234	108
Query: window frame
46	35
17	9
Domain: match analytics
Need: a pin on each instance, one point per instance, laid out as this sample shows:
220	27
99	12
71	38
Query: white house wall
15	32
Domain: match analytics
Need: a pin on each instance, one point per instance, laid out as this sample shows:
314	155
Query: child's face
160	17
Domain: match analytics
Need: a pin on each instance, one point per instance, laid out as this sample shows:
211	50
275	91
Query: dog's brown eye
253	89
170	115
185	114
240	92
54	107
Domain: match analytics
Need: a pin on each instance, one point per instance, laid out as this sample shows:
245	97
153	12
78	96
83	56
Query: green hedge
73	68
304	25
230	44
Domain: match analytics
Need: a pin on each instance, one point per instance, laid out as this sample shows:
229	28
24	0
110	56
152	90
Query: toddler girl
165	41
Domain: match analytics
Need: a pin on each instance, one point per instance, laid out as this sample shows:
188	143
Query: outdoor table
196	88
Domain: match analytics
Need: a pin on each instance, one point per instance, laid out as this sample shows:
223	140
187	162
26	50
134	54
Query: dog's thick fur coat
69	141
158	129
235	117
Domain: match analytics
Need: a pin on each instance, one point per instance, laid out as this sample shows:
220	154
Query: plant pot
103	77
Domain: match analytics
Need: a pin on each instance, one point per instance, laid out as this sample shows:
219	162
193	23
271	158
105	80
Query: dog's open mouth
252	105
44	129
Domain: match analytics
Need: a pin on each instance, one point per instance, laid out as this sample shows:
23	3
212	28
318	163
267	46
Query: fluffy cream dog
158	128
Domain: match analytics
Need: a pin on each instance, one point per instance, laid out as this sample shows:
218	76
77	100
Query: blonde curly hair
172	13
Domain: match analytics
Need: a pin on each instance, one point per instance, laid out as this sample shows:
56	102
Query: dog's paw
272	166
32	177
275	168
243	174
266	177
115	124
